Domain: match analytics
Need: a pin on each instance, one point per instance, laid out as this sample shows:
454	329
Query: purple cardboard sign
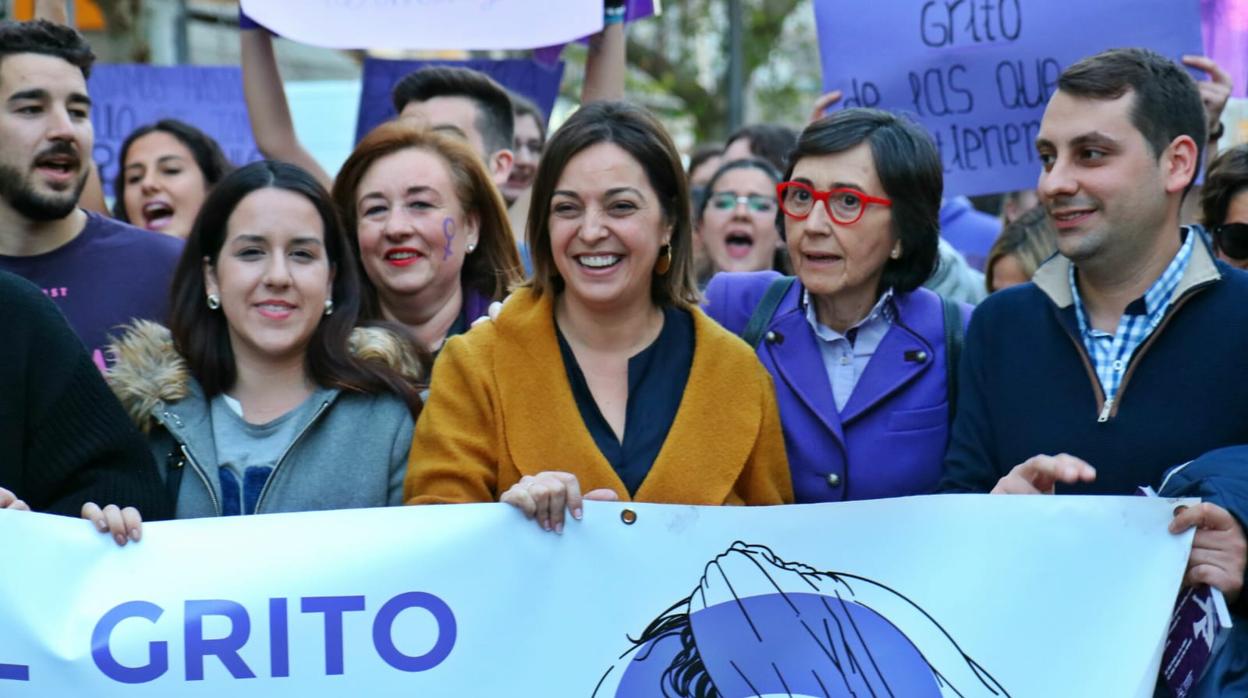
978	73
1225	25
538	82
125	97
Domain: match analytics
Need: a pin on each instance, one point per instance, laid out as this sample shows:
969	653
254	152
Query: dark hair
1167	103
49	39
635	130
494	118
1031	239
523	106
1227	177
780	258
744	163
494	268
201	335
207	152
701	154
910	170
771	142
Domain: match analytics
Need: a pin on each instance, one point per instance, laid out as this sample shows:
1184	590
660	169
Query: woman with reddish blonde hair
431	229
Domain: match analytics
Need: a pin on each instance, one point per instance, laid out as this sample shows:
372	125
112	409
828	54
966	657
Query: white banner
928	596
429	24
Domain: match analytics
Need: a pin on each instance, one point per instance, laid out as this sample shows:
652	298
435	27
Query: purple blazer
890	440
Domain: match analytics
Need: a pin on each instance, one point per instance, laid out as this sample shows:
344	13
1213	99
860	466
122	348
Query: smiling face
164	186
45	135
606	227
528	151
738	227
831	258
412	229
1103	187
272	275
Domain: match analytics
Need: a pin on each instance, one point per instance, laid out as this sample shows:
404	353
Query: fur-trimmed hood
147	370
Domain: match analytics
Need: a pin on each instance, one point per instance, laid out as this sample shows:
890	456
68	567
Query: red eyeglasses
844	205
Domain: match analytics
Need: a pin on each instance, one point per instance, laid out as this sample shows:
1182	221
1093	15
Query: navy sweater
1026	388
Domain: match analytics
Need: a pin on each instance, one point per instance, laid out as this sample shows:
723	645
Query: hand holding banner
953	592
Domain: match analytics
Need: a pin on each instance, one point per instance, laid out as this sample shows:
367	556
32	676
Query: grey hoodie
350	451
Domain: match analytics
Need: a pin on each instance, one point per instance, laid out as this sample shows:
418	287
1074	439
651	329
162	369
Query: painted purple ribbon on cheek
448	231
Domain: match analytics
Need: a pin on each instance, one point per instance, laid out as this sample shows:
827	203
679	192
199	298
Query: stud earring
471	246
896	253
329	306
214	301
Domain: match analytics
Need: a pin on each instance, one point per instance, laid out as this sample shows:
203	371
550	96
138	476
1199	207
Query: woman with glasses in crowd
1224	206
856	346
602	376
736	219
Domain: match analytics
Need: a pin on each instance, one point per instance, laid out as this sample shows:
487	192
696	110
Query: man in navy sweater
1126	354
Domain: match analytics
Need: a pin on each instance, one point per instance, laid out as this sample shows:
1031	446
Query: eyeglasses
843	205
1231	239
755	203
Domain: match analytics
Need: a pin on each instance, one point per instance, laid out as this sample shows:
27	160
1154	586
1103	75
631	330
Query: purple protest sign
978	74
534	80
125	97
1225	29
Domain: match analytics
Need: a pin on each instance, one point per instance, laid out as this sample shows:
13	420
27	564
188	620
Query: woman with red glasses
856	346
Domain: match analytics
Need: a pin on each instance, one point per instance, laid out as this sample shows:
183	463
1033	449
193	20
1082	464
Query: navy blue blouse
656	382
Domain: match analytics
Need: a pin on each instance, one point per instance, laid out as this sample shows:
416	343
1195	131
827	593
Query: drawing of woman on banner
758	626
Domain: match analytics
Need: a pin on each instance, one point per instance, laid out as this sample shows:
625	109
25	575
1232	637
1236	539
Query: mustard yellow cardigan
501	408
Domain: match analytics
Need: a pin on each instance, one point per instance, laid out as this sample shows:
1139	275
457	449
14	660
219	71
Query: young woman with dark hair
736	219
256	397
856	346
603	365
167	169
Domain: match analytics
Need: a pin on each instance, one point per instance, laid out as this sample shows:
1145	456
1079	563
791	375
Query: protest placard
537	81
428	24
978	74
1224	24
125	97
942	595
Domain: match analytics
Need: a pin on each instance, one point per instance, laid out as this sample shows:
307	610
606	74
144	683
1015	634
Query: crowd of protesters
473	310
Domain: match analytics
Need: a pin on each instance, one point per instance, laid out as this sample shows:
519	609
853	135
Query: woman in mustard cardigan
602	376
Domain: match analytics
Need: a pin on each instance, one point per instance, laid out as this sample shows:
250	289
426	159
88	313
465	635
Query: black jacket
64	438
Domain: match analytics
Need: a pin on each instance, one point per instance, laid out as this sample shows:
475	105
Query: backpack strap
954	336
765	309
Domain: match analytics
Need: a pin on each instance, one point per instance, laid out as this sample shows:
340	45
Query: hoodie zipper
273	475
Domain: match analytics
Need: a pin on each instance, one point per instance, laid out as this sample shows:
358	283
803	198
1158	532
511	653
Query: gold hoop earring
665	260
214	301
